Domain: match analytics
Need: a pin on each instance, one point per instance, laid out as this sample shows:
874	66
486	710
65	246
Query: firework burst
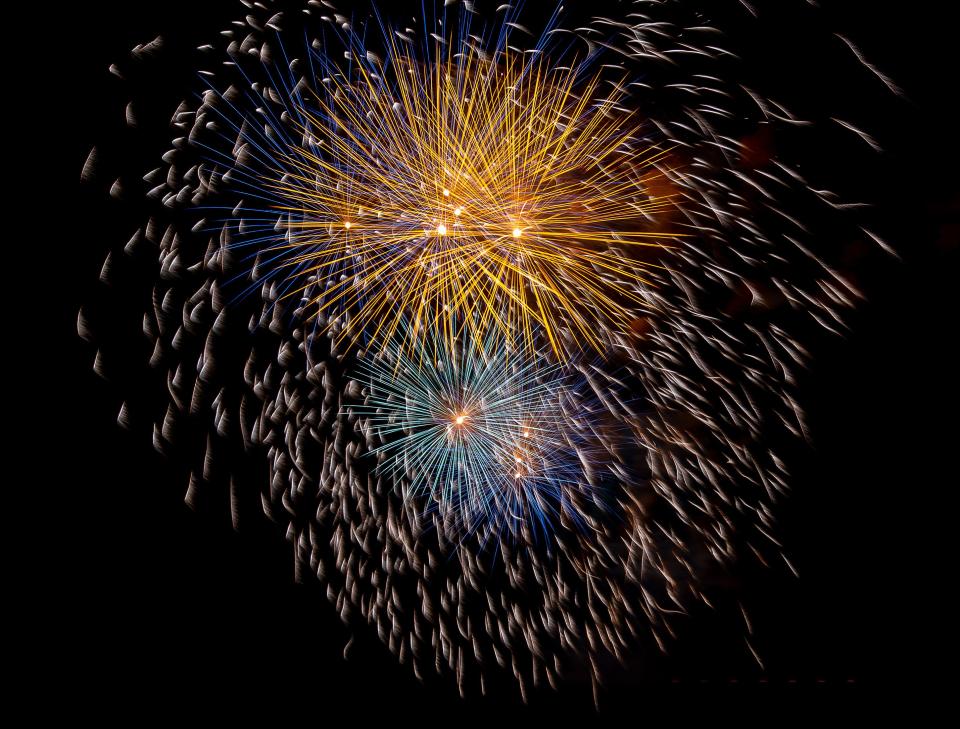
334	171
461	180
482	435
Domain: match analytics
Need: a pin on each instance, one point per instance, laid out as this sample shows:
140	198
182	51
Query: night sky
170	608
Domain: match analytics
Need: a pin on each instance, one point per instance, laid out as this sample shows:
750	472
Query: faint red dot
640	326
757	149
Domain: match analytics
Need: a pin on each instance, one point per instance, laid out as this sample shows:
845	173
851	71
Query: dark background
167	609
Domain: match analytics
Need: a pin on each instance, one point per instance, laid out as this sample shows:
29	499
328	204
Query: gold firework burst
468	193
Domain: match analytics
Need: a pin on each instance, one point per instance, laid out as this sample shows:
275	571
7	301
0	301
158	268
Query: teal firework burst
478	434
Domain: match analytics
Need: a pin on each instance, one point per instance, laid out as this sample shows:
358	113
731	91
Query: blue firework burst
479	434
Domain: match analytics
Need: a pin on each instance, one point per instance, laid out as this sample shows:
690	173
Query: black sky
170	608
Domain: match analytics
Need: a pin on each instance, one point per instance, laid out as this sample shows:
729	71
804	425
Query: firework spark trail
706	380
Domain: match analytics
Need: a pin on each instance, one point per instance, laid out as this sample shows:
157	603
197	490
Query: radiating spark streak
887	81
